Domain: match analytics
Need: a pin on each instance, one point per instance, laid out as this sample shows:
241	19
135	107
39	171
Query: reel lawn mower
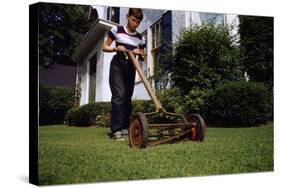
143	133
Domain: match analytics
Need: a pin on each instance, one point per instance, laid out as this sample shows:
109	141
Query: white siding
140	92
195	18
149	55
232	20
96	49
178	23
102	74
84	82
105	94
99	76
102	10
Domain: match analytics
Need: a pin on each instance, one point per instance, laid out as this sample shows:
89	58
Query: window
156	32
144	64
113	14
215	18
156	35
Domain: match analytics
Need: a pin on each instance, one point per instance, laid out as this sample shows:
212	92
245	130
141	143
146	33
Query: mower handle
146	83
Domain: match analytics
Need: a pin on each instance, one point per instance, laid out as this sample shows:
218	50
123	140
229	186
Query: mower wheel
138	131
198	130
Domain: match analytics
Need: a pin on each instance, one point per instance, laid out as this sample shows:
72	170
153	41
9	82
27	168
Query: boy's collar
131	33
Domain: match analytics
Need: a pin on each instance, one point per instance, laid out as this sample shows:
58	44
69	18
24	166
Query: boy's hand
120	49
139	53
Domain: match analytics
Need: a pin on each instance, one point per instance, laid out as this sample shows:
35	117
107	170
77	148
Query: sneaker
124	131
118	136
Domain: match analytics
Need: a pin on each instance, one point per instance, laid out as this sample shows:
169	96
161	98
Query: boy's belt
121	56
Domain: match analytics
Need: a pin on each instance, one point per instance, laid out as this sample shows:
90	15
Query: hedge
54	102
99	113
238	103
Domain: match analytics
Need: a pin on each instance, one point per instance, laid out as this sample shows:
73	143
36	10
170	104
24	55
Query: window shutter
167	26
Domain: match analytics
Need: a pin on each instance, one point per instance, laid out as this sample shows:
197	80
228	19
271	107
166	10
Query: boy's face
133	22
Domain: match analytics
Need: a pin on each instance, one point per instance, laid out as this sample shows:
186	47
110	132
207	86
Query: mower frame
189	127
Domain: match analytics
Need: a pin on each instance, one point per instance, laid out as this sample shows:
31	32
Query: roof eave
91	34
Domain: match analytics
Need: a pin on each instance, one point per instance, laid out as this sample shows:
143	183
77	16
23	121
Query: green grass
81	155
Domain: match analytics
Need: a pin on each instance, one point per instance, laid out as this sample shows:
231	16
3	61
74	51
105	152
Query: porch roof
91	38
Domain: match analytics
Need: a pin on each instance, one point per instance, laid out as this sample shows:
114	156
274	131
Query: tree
256	35
61	29
205	56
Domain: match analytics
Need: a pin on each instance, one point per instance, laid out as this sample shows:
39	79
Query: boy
122	71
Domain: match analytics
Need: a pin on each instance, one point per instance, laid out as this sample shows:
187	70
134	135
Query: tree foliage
61	29
257	47
205	56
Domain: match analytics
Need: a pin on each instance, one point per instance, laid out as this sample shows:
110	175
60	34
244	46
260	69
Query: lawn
81	155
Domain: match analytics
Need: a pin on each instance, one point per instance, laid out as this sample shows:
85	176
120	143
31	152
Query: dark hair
136	12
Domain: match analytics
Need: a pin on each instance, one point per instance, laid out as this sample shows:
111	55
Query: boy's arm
106	45
139	52
142	51
141	56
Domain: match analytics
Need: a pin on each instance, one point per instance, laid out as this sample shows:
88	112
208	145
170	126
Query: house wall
181	20
101	71
102	91
104	66
140	92
178	23
102	11
232	21
84	98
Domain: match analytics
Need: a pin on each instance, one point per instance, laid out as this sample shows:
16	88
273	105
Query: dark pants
122	82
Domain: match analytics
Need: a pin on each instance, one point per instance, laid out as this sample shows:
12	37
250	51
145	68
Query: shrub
171	100
238	103
78	116
46	115
54	103
194	102
205	56
88	114
142	106
99	113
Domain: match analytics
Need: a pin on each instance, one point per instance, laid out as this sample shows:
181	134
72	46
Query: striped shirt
129	40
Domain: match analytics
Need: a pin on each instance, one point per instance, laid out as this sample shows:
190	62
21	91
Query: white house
93	64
